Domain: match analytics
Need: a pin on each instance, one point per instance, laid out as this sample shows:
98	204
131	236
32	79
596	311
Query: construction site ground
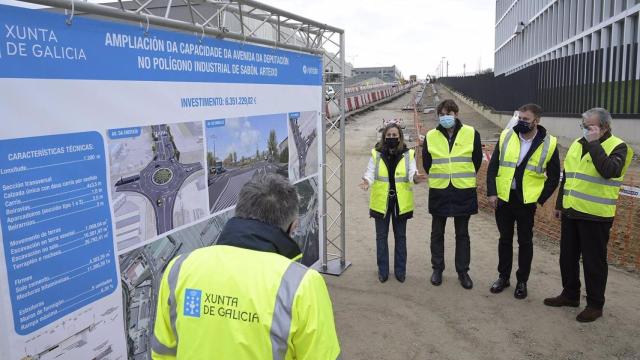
416	320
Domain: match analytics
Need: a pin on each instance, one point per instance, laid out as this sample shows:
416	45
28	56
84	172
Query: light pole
213	137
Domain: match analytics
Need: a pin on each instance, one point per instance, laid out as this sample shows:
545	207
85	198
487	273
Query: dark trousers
463	245
382	245
590	239
522	215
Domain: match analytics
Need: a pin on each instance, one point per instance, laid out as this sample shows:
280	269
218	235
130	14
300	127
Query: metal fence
607	77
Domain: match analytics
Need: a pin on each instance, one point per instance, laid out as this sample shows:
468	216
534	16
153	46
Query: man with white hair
594	170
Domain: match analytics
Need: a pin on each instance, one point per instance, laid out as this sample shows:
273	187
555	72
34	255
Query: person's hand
419	178
493	201
593	133
364	185
557	213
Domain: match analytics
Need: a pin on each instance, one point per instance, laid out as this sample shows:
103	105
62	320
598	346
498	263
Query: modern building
567	56
386	73
533	31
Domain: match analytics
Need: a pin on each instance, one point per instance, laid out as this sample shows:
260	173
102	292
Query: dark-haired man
524	171
452	155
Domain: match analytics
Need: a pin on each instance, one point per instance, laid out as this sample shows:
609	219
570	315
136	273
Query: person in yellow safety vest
524	171
391	196
452	156
246	297
594	170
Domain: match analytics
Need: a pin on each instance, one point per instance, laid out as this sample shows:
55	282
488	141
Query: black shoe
589	314
465	280
382	278
521	290
499	285
561	300
400	277
436	278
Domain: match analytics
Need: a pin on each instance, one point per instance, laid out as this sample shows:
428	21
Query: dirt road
415	320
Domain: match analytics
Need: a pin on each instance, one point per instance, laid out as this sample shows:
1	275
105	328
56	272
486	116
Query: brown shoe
561	300
589	314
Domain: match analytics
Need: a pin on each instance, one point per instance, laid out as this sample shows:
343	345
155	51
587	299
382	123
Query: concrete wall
565	128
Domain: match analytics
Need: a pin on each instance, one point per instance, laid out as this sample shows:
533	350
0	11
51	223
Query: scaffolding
249	21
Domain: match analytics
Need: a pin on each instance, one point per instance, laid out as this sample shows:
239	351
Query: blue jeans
382	245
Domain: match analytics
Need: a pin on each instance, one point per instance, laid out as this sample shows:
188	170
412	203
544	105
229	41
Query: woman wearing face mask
391	197
452	155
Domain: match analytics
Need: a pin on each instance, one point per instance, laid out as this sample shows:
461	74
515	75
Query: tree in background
211	161
272	144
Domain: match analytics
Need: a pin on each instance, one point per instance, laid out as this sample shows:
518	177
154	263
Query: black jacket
451	201
255	235
553	170
391	160
608	166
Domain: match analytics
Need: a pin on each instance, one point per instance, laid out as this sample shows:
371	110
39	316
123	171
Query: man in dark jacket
452	155
524	171
594	170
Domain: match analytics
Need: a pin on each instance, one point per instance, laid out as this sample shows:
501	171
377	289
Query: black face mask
392	143
522	127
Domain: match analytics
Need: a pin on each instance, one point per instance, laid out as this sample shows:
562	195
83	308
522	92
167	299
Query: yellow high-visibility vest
378	200
585	190
535	170
455	166
226	302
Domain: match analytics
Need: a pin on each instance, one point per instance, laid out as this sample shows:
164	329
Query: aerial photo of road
303	157
164	176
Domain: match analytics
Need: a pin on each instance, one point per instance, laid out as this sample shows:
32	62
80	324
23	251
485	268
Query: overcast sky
412	34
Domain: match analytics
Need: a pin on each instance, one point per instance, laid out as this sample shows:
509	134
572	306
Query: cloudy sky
412	34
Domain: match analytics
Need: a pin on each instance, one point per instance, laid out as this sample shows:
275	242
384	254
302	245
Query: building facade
386	73
531	31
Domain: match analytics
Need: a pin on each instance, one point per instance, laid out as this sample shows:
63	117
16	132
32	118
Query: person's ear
292	227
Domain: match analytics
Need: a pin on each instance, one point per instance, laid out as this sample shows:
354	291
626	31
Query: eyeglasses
582	125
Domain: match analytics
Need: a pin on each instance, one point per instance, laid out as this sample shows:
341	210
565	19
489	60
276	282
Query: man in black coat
510	203
458	203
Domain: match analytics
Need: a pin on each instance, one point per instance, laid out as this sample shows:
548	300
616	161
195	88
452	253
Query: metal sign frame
253	22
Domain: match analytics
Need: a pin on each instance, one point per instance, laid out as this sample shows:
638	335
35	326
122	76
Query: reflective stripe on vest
281	323
452	165
585	190
376	174
282	313
172	279
534	174
379	196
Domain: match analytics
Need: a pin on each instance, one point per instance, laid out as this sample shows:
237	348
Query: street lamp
213	137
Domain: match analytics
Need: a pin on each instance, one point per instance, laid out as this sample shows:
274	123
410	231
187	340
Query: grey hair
269	198
603	115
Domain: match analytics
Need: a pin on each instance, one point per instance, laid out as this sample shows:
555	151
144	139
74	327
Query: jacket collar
256	235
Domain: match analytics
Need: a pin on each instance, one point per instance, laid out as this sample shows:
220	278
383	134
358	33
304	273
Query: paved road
161	195
224	188
415	320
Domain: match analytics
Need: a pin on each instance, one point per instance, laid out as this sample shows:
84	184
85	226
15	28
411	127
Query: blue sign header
39	44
